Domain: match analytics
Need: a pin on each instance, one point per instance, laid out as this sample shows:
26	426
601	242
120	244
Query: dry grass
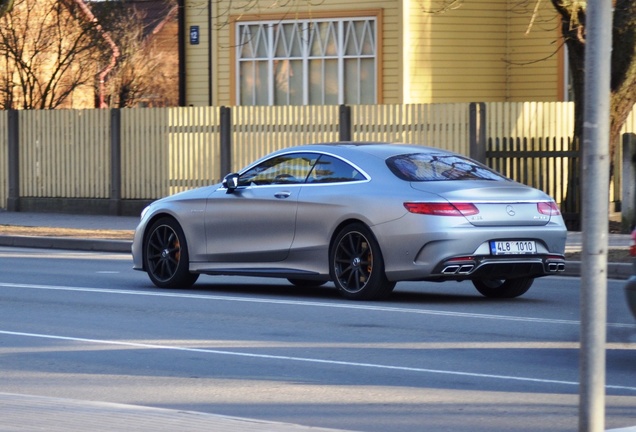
65	232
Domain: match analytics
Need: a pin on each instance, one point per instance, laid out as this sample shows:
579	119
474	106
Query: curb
71	243
572	268
614	270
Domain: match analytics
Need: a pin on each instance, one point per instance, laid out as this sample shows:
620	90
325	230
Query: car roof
379	149
354	150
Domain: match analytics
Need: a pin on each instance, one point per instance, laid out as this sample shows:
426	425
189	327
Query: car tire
166	258
357	266
307	283
507	288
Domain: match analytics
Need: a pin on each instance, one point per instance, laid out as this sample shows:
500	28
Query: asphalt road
434	357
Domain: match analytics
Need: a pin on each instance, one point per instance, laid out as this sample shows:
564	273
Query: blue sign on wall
194	35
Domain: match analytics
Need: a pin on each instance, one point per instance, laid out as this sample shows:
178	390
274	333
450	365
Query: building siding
456	54
223	14
534	54
476	51
197	86
479	51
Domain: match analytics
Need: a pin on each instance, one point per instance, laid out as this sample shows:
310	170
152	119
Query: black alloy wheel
166	255
357	267
506	288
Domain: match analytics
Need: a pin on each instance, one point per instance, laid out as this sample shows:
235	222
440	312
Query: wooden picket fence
531	143
67	153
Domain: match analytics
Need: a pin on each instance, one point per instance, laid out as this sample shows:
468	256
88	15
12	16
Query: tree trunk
622	86
574	39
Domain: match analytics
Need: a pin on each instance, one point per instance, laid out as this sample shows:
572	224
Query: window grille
307	62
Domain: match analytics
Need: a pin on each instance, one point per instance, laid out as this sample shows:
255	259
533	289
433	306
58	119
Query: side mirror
230	182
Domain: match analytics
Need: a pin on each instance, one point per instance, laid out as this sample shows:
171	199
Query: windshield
419	167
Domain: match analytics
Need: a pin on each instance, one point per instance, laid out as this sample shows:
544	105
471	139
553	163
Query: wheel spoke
343	252
352	245
155	243
161	271
357	279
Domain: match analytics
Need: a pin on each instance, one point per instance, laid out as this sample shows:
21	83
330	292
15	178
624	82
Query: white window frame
254	33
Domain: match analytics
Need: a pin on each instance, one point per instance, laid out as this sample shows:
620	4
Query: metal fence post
13	199
115	162
477	131
628	199
344	117
226	140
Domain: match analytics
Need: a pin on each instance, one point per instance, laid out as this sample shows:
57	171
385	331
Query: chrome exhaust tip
452	269
465	269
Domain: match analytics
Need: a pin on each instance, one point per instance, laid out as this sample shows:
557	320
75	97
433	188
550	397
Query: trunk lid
499	203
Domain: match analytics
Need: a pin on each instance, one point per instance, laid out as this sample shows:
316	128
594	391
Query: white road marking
349	305
377	308
307	360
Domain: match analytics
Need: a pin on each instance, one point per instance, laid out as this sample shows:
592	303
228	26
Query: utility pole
598	48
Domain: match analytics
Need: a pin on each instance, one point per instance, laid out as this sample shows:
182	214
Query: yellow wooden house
304	52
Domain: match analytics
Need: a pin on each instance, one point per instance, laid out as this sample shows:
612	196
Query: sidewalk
615	270
33	413
51	239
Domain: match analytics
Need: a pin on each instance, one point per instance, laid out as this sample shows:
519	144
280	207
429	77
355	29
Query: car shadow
269	289
430	294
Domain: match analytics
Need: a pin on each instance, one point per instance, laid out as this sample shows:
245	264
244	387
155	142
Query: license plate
513	247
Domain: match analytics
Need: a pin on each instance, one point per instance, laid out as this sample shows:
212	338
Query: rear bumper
488	267
420	249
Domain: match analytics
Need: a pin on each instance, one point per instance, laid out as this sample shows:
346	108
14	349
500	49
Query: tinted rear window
436	167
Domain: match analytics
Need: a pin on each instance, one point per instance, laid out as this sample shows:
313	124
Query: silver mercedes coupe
362	215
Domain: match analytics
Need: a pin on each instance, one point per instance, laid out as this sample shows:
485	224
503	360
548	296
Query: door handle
284	194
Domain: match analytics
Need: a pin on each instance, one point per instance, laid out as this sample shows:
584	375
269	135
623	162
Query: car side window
283	169
329	169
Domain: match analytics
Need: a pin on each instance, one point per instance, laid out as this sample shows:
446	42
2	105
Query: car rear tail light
548	208
632	245
442	209
461	258
554	257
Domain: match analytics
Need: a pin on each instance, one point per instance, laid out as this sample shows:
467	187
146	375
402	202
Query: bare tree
623	68
131	77
47	53
146	73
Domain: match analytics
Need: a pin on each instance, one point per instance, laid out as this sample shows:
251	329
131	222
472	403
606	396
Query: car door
332	192
256	222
